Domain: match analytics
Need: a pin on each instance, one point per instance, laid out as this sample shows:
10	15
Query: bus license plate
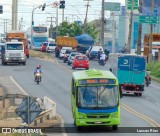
97	122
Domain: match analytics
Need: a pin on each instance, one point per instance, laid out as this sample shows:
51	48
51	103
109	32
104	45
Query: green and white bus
95	98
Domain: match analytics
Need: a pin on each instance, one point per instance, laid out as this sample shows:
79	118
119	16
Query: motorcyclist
38	69
99	54
102	57
148	76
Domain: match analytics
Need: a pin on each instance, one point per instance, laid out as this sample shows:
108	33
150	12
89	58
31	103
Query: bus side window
73	87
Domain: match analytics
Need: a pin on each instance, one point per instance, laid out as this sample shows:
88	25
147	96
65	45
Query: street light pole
151	35
32	21
102	24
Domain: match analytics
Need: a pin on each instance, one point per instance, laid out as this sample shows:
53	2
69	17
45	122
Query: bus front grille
97	116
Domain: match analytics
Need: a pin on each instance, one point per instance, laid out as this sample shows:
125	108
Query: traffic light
43	7
1	9
62	4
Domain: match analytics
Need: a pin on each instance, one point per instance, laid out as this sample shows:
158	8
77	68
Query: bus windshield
97	97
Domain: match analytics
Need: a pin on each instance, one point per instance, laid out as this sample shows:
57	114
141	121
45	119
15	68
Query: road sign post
112	6
148	19
29	109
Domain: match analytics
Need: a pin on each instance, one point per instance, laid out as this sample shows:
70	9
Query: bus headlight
114	115
7	58
82	115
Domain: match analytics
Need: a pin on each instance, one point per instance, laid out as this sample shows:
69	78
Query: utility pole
151	35
14	14
62	15
51	27
102	25
85	20
113	34
139	30
130	29
56	22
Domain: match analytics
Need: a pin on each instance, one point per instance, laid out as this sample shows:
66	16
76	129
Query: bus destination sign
97	81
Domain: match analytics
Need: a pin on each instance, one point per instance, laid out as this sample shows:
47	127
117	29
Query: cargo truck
21	36
130	70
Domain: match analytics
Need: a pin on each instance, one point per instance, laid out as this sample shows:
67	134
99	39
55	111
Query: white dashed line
155	86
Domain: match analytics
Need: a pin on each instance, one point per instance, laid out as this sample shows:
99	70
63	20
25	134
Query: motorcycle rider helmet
38	67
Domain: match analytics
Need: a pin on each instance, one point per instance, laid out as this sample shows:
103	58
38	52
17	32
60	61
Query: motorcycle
38	77
147	80
102	62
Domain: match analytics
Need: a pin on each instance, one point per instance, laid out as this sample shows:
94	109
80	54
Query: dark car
66	55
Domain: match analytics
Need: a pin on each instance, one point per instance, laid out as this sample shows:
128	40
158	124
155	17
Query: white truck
14	53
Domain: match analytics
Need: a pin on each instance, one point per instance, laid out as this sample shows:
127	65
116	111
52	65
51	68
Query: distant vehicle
72	56
14	53
39	35
80	61
66	55
95	98
65	41
2	46
20	36
130	71
50	47
63	51
44	46
92	52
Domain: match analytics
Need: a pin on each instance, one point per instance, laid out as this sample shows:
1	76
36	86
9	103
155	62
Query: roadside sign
148	19
112	6
28	110
129	5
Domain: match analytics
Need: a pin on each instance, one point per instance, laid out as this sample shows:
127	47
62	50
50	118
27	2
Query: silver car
72	56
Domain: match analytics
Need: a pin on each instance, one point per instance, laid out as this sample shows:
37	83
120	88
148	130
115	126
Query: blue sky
74	9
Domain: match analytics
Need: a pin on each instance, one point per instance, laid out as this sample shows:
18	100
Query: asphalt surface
56	84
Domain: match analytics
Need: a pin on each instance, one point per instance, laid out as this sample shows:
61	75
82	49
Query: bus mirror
120	91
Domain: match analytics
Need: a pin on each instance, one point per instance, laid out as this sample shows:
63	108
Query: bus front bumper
98	122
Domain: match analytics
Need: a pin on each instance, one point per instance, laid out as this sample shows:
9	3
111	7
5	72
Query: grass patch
154	67
42	55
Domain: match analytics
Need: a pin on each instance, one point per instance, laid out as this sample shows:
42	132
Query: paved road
56	83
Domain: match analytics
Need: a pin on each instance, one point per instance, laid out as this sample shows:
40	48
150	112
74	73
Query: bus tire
140	94
115	127
24	63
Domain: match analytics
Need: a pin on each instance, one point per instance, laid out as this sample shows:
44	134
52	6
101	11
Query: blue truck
130	70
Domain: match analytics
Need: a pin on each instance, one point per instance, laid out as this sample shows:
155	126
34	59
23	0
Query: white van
51	45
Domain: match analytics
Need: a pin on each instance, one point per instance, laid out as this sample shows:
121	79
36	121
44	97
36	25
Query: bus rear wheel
115	127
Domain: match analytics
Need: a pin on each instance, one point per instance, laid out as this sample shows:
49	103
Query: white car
63	51
50	47
72	56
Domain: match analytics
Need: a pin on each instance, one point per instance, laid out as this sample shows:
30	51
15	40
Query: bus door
124	69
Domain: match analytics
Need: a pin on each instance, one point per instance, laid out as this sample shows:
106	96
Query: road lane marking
14	81
157	104
155	86
148	119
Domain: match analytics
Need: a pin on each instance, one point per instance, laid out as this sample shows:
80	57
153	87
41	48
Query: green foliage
154	67
73	30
